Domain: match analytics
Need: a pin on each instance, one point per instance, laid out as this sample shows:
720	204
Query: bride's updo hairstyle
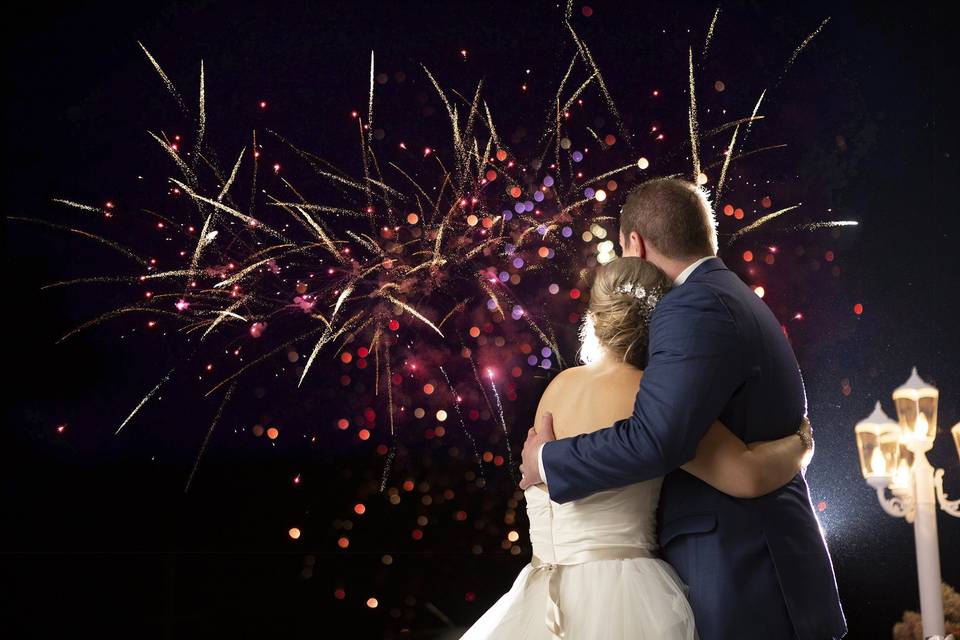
622	298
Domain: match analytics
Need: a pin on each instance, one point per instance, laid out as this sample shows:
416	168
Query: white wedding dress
595	574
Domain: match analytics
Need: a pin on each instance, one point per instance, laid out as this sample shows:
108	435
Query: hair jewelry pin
639	292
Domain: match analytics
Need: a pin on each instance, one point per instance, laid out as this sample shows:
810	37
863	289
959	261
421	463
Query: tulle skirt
634	599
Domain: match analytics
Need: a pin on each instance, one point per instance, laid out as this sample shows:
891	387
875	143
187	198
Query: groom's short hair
673	215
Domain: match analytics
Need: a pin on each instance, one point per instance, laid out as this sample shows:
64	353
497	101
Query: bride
595	572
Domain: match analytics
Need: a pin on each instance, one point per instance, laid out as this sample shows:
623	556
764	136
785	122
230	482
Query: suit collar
712	263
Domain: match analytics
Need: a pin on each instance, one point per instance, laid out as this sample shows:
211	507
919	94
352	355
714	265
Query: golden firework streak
760	222
802	46
825	224
493	296
86	234
166	80
390	390
328	337
201	120
233	175
223	315
188	173
730	149
588	57
253	222
77	205
265	356
406	307
206	439
694	139
713	24
113	314
548	128
746	154
145	400
370	104
90	280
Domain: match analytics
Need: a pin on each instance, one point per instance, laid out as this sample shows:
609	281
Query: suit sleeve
694	368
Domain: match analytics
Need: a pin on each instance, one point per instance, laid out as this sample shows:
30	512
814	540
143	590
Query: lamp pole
893	458
928	548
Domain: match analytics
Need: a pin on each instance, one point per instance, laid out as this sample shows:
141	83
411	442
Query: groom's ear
641	245
633	245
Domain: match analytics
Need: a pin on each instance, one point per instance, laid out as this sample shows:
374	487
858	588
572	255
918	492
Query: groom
758	568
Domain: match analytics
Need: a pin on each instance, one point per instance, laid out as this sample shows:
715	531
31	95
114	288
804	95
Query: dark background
100	535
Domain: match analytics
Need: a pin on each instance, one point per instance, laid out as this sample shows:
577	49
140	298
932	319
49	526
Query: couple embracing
664	479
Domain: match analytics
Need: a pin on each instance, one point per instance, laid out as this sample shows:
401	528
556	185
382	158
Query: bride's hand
806	434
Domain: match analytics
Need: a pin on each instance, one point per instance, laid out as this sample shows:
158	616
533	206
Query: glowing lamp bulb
920	427
878	464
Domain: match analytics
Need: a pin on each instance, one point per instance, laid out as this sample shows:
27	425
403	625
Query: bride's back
590	397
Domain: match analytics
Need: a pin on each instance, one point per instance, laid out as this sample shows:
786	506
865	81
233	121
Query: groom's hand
530	465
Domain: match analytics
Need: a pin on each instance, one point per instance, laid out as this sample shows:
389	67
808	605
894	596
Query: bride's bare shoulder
582	376
559	386
570	375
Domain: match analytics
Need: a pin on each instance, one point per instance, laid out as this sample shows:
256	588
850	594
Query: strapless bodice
610	523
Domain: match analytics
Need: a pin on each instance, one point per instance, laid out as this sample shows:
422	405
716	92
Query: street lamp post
893	460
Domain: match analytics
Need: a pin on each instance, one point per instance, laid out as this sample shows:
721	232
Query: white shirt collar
690	269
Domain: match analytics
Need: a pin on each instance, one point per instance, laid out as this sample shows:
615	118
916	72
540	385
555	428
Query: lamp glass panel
918	417
879	447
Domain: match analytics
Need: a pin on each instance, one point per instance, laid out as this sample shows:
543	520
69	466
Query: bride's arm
729	465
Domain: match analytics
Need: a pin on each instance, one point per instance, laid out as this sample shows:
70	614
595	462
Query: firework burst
405	264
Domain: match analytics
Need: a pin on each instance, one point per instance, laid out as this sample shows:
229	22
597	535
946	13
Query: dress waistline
554	618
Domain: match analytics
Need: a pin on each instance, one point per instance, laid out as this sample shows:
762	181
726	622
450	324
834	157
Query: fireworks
443	262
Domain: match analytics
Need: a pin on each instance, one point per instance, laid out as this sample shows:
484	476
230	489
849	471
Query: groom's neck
673	267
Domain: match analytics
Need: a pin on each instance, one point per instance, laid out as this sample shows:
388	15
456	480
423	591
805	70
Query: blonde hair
622	298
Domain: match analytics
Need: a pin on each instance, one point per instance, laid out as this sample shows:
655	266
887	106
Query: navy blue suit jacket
756	568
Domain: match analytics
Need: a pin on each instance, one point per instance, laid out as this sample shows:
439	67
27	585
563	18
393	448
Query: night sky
99	534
